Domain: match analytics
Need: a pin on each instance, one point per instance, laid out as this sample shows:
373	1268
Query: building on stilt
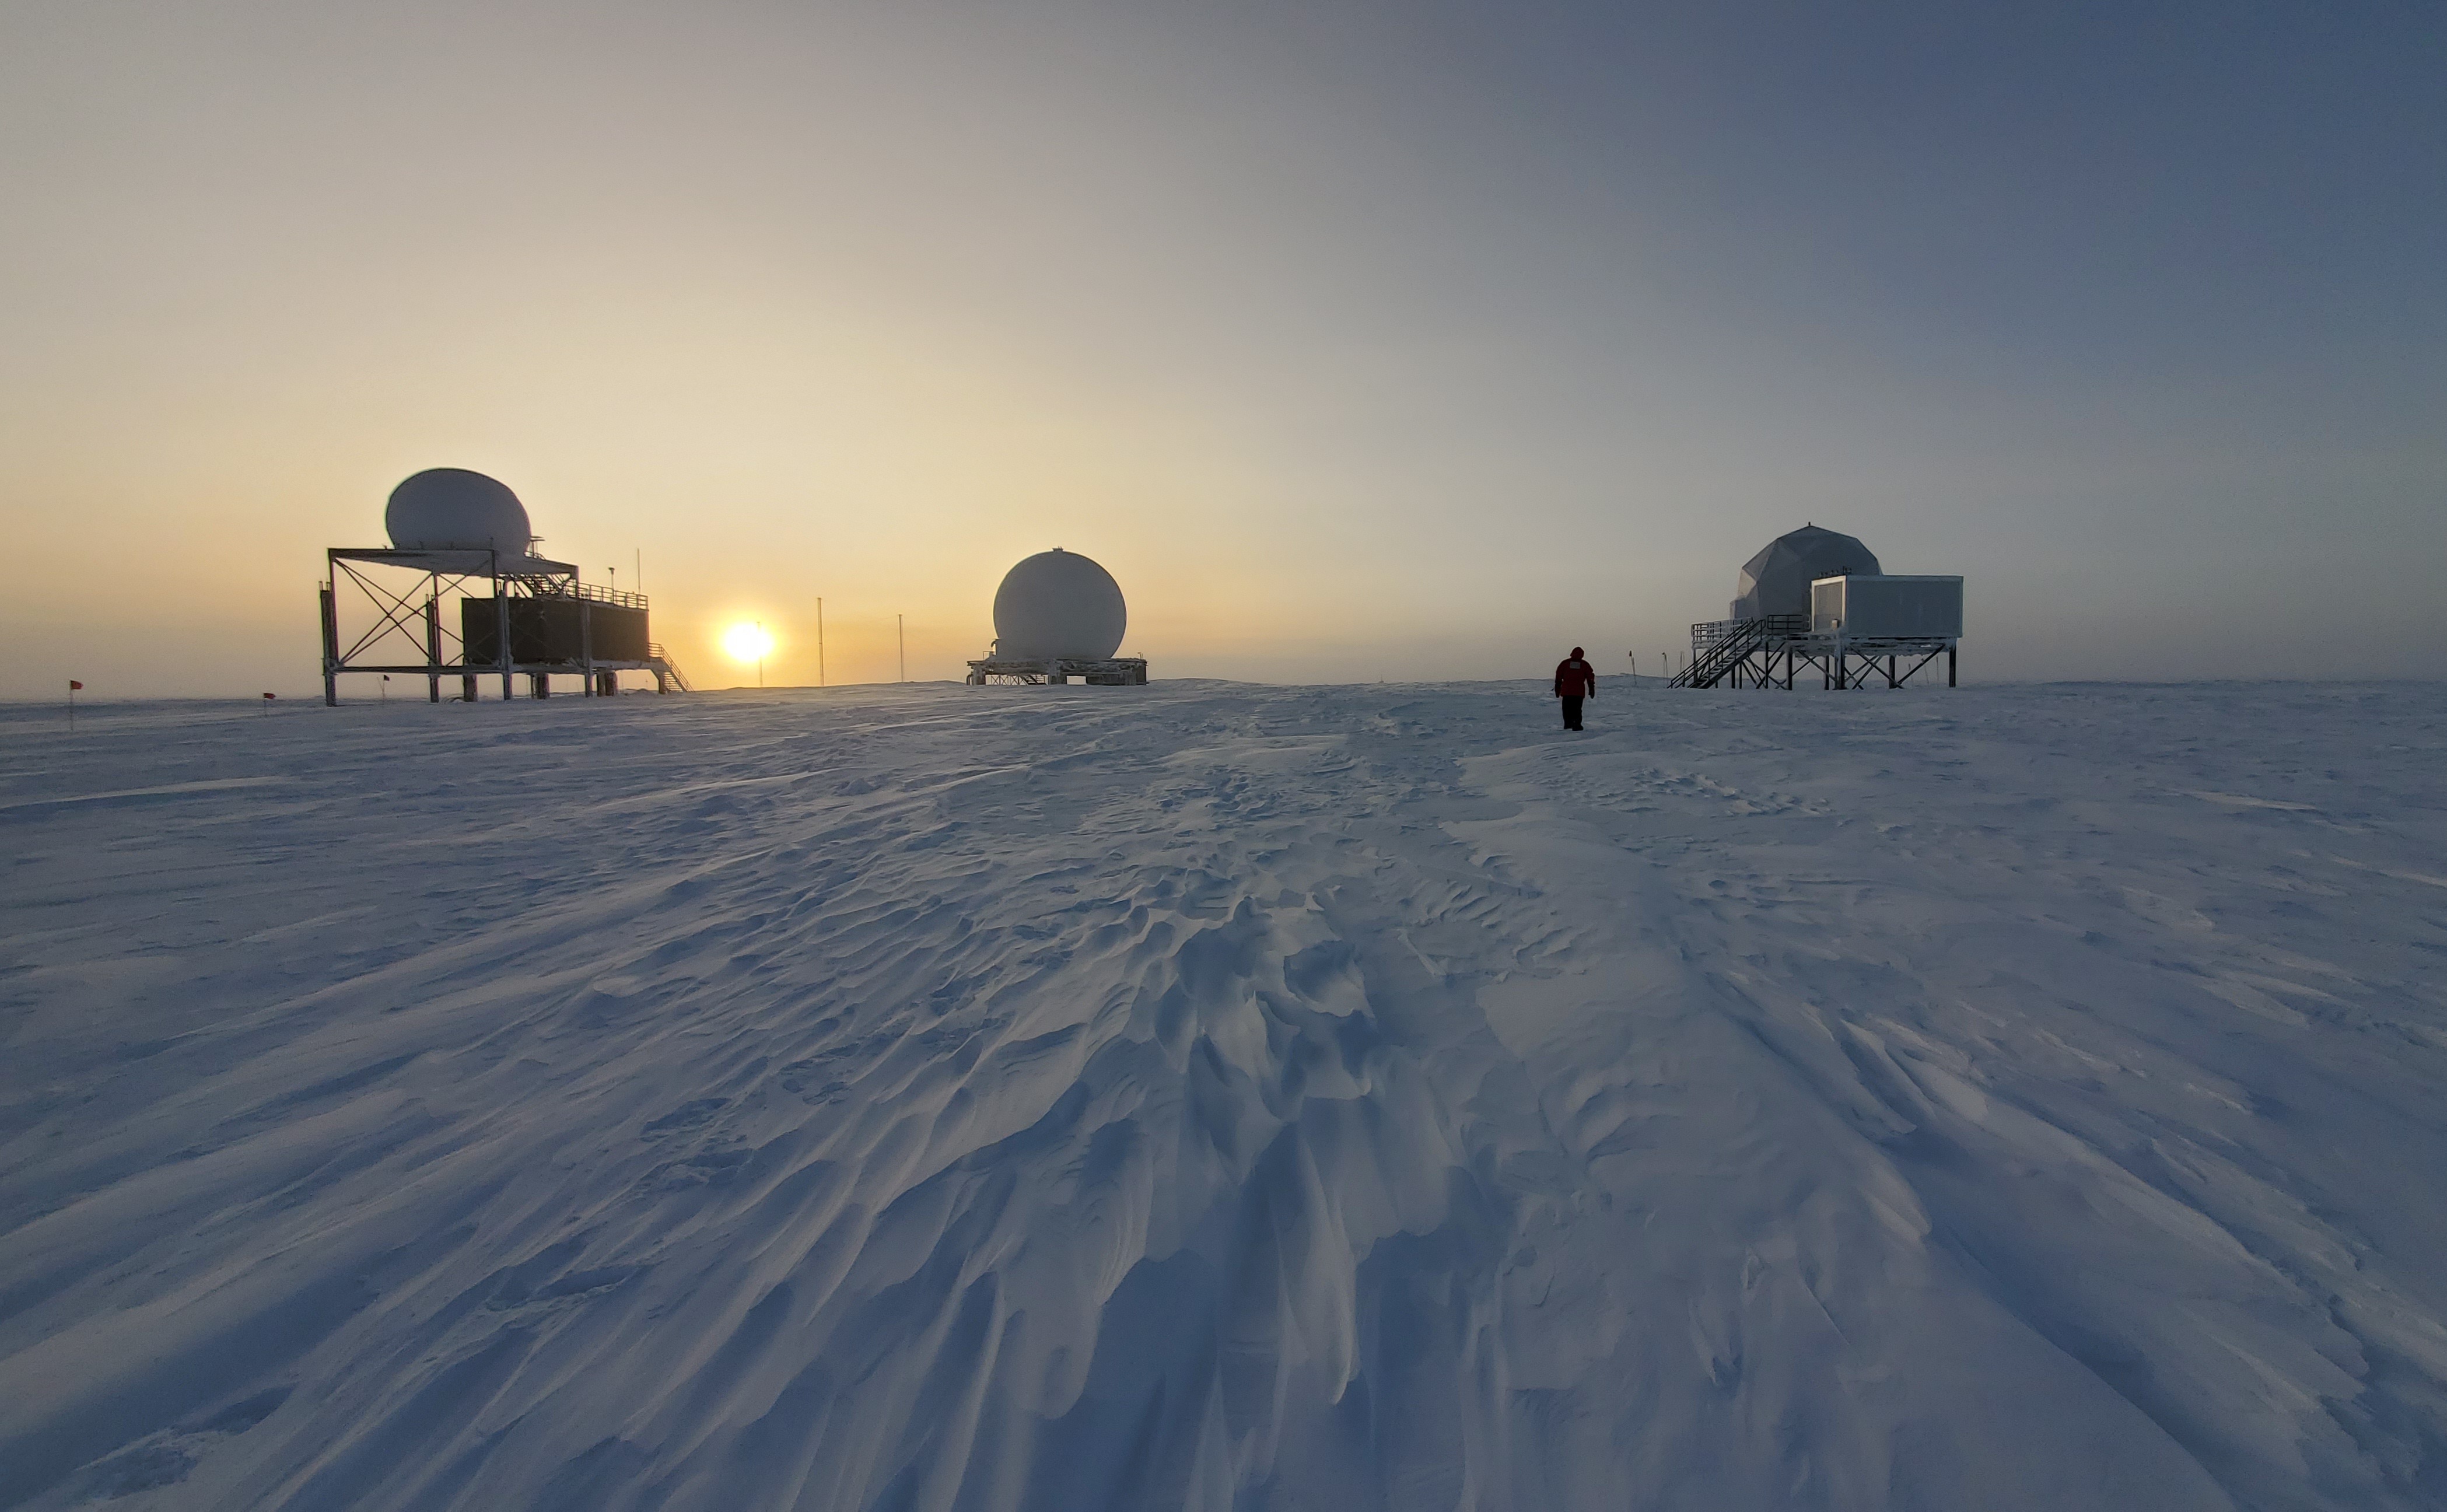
1817	599
461	539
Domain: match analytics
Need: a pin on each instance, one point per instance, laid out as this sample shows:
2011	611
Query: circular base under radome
1102	671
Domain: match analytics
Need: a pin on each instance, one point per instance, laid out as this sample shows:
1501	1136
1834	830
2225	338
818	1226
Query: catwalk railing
1720	645
1768	651
593	593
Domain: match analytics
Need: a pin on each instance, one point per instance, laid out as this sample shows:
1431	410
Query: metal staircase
671	668
1722	648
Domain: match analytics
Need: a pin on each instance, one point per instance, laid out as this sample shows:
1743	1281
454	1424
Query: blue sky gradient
1360	341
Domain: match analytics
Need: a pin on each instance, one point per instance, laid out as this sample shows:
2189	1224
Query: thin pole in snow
73	685
901	624
820	642
760	650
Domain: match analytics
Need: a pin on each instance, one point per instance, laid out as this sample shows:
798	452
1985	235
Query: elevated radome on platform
459	535
1059	615
1820	599
1776	581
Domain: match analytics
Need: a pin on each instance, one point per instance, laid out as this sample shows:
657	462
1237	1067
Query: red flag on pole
75	687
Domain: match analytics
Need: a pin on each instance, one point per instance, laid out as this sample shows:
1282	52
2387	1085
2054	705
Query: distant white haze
1358	341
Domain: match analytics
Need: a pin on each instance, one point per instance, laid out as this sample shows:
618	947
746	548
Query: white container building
1887	606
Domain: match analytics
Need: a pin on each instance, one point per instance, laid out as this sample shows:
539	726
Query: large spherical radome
1059	603
452	509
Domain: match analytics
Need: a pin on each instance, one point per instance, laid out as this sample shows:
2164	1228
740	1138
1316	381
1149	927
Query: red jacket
1575	678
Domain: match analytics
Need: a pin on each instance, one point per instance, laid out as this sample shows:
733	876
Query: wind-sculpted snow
1228	1098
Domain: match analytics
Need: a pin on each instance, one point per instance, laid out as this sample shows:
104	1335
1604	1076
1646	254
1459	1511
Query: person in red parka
1574	680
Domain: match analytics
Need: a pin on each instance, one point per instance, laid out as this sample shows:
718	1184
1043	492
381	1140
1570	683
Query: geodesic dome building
1776	581
1820	599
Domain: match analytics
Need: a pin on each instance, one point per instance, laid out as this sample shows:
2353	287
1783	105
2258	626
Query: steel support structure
1885	658
434	649
1772	653
1107	671
410	620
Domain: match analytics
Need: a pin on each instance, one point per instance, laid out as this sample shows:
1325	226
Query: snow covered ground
1229	1097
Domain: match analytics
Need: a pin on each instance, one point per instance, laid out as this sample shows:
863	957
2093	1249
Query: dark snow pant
1571	711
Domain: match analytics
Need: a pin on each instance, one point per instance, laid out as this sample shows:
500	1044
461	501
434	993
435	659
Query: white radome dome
1776	581
1059	603
452	509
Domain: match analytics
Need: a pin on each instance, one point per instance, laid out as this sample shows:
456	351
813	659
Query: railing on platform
592	593
1717	647
1768	651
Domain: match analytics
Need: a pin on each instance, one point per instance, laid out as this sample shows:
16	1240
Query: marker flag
75	687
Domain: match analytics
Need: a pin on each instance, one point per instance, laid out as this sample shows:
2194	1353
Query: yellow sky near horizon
1354	344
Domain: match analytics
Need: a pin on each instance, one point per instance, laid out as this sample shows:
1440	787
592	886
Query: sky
1358	341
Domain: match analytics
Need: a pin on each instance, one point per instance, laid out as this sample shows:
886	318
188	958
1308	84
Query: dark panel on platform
550	631
619	635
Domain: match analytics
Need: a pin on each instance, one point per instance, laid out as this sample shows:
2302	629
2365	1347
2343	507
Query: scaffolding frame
1769	652
414	614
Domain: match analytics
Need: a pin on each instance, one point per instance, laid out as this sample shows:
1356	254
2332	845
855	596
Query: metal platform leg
331	648
502	618
434	649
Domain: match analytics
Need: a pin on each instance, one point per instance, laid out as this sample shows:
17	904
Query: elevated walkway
1724	650
517	616
1772	651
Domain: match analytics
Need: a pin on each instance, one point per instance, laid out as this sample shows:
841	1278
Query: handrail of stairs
671	668
1720	645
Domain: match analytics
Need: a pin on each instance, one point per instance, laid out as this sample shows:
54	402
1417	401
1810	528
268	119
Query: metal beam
330	647
433	644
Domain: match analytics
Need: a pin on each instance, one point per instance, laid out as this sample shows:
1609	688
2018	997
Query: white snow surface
1227	1097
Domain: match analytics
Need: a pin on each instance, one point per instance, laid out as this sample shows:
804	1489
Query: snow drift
1227	1098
